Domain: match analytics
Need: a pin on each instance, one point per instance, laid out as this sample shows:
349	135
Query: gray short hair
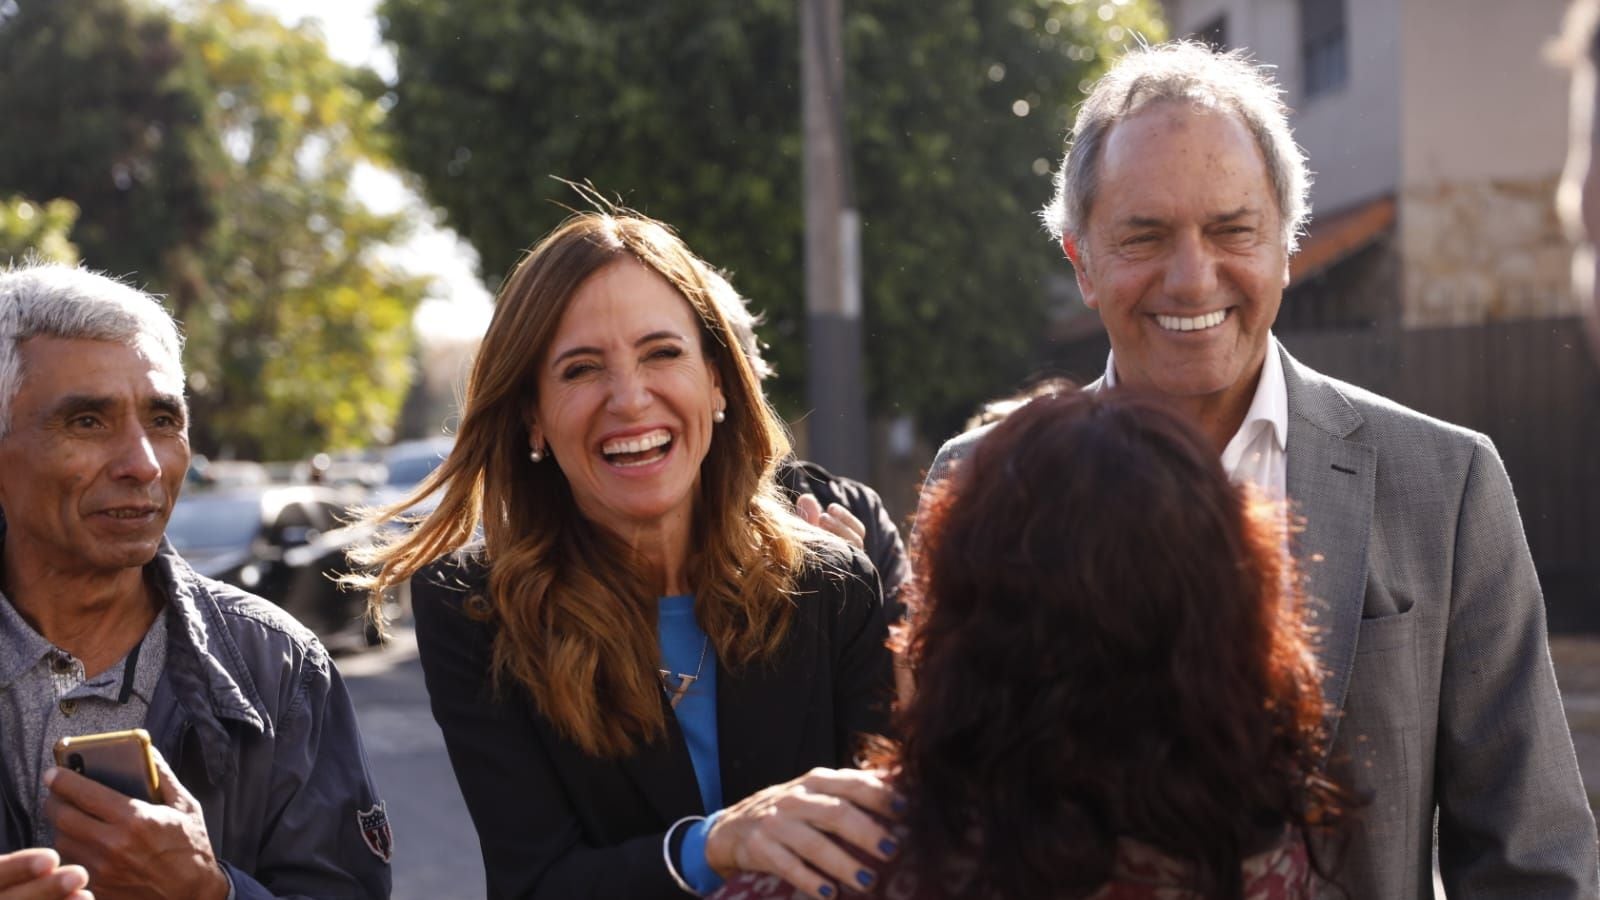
52	300
1188	72
743	322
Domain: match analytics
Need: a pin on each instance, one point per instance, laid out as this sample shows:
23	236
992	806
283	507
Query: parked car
286	543
226	473
405	465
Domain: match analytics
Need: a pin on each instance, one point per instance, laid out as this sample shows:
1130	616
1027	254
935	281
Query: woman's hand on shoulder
794	830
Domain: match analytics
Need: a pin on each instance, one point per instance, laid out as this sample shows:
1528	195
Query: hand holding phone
155	848
120	760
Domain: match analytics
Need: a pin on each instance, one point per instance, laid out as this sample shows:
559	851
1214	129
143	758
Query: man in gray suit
1179	202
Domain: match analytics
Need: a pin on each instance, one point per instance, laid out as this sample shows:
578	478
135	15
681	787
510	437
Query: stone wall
1483	251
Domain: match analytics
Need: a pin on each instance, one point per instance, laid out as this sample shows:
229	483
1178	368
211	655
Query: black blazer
883	544
554	822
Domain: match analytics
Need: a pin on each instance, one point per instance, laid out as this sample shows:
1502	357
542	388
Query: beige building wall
1348	135
1479	99
1451	107
1482	141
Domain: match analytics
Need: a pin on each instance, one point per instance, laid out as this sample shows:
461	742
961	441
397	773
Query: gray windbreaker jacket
256	723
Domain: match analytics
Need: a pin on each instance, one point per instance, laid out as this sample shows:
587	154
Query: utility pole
837	425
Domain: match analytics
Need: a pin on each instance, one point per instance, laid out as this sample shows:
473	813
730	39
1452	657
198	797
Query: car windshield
211	521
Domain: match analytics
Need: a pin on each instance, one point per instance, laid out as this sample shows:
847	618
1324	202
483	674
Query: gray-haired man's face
1183	254
96	454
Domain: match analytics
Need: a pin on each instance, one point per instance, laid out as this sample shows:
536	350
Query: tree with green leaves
210	150
39	231
691	112
95	87
308	332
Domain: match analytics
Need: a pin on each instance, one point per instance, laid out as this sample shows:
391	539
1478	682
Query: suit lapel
664	773
762	712
1330	483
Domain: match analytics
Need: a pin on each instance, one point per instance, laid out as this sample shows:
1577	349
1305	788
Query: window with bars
1324	47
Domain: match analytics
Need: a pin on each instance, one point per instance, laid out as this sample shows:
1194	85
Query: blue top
685	650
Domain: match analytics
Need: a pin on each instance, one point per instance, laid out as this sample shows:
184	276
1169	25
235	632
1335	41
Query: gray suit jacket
1434	652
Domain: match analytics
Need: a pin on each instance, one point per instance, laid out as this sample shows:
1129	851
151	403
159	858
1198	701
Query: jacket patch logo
375	831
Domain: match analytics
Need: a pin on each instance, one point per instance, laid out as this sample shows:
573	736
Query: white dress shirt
1257	453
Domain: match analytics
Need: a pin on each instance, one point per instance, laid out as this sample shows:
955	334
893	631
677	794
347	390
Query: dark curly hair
1111	644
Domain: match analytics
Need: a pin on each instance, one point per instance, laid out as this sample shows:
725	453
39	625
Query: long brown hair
1113	645
575	615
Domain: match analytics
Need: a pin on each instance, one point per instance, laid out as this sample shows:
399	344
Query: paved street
435	848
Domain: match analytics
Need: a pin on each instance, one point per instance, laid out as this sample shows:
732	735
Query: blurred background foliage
208	150
39	231
690	111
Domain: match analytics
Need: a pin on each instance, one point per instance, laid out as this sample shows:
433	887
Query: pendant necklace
674	694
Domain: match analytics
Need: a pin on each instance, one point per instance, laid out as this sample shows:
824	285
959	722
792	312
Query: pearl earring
718	416
536	454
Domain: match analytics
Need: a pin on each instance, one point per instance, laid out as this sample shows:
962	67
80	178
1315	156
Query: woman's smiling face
626	396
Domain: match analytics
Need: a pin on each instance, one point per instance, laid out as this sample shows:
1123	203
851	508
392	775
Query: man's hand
132	848
38	875
835	519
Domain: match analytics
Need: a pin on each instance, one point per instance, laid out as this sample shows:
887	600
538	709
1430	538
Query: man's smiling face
1183	253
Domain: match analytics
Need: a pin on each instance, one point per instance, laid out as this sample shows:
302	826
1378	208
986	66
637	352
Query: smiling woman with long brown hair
645	642
1115	692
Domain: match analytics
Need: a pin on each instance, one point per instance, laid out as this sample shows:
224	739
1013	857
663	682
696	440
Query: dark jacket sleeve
529	833
882	542
315	847
863	666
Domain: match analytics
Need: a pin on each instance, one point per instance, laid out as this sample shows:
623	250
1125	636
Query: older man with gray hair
1178	203
263	788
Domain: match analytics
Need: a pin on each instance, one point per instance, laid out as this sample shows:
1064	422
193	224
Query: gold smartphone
120	760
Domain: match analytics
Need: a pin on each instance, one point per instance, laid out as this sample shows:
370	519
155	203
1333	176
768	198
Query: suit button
68	706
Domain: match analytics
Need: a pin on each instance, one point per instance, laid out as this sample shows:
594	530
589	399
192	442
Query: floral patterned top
1140	872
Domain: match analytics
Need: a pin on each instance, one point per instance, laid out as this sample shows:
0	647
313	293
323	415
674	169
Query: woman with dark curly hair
1116	697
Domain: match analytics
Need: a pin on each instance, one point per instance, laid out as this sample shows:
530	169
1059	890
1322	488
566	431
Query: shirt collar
21	647
1270	405
152	658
